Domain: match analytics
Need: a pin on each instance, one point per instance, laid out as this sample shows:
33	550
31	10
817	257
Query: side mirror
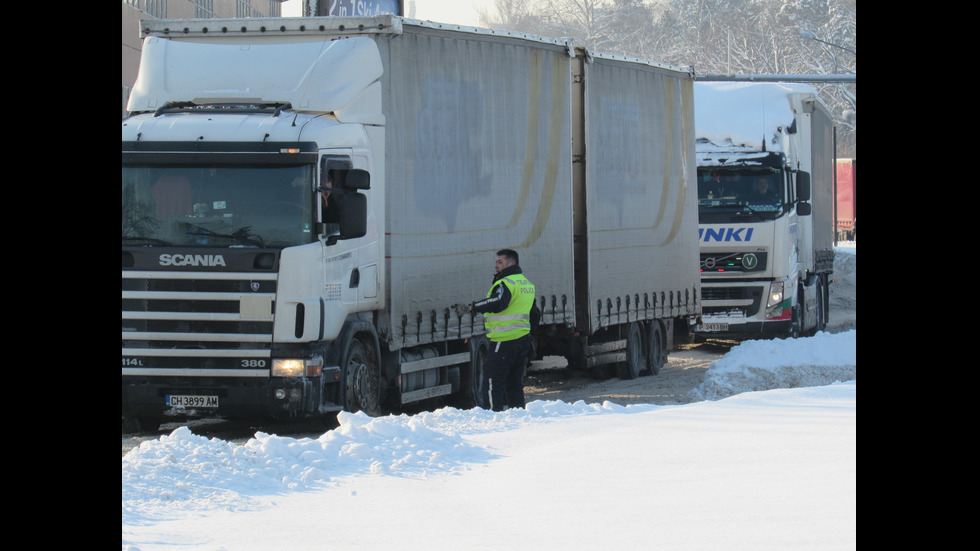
353	216
802	186
803	209
357	179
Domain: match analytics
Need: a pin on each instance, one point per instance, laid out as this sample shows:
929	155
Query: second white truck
765	200
244	296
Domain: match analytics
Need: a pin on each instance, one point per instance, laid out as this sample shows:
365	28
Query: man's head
505	259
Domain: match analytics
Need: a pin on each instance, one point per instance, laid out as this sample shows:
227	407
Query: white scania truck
244	295
765	200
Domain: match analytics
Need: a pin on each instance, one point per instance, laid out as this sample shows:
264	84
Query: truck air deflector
179	67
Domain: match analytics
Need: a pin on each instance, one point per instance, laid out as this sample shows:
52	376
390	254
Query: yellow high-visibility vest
515	320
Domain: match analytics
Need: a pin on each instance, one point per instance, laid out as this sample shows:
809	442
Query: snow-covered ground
766	461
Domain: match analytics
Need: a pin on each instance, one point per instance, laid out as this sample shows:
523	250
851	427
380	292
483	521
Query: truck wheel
656	353
821	308
796	324
362	381
635	358
826	300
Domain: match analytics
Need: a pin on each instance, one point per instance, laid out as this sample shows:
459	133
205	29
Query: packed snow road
548	378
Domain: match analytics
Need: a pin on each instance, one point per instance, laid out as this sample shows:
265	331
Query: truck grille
196	323
729	301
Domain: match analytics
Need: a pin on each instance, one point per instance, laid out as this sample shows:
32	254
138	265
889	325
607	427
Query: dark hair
509	254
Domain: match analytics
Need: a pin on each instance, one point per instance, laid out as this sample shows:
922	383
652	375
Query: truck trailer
245	295
765	202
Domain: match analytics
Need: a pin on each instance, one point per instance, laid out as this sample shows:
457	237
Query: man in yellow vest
509	323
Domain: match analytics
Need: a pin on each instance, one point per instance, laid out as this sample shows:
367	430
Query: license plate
186	401
708	327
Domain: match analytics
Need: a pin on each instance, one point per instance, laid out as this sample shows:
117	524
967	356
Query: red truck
846	199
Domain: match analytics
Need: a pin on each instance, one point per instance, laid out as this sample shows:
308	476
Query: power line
835	78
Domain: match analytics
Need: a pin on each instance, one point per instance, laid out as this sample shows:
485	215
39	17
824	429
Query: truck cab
749	213
764	156
226	246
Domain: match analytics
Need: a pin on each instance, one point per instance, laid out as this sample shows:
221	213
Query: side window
332	171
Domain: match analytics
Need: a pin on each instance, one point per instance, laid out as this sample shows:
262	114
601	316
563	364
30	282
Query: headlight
297	367
288	368
775	294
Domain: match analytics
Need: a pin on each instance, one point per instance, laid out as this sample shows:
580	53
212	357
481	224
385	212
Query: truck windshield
734	195
217	206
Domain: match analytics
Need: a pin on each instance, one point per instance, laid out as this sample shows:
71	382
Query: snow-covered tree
713	36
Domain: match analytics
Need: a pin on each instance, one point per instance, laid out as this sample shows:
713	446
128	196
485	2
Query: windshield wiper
242	235
152	240
761	214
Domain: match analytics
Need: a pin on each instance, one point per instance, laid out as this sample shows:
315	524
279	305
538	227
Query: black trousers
503	374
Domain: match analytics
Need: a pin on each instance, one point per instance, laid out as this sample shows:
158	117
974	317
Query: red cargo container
846	199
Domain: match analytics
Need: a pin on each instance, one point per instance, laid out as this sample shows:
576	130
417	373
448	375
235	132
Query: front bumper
275	398
750	329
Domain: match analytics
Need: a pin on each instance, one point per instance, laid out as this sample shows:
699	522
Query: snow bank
184	471
845	263
761	471
762	365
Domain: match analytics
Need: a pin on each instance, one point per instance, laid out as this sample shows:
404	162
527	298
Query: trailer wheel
635	358
479	362
471	380
362	381
656	351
